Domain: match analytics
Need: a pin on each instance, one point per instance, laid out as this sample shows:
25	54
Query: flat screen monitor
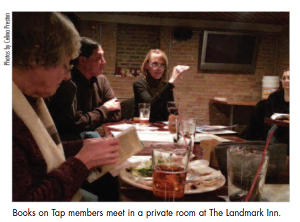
229	51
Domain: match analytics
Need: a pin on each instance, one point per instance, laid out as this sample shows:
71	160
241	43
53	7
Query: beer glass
170	163
173	114
144	109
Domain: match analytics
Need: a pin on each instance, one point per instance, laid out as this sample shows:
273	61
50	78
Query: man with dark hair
84	103
87	100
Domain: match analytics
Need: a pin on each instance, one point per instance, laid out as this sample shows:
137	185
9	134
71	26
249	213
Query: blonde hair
148	56
43	38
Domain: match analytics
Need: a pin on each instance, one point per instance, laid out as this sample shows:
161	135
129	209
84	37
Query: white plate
205	186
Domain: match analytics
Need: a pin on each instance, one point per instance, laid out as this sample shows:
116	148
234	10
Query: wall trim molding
141	20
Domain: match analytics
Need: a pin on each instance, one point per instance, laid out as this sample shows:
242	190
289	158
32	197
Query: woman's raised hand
177	71
99	151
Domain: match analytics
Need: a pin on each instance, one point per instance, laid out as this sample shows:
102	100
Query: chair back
127	109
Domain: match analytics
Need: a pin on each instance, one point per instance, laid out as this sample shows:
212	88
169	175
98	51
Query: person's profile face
96	62
285	80
46	80
156	66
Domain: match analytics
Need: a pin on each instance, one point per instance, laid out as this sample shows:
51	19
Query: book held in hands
130	145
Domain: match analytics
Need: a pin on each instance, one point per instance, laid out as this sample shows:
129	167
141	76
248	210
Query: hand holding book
93	156
130	145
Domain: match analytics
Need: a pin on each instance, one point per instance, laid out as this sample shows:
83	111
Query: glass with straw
242	165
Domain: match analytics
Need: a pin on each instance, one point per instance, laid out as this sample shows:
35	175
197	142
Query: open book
130	145
280	116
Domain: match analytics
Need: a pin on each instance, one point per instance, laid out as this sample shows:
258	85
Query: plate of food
200	177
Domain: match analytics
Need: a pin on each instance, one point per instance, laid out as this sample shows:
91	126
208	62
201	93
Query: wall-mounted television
229	51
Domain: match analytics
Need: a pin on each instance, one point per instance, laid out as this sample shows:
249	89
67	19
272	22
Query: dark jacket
277	104
256	129
77	106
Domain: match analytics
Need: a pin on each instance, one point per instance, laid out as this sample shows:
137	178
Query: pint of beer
144	109
170	163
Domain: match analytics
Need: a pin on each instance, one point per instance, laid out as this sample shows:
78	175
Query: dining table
231	105
276	190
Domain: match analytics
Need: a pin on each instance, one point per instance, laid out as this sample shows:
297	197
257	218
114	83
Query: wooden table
131	193
231	105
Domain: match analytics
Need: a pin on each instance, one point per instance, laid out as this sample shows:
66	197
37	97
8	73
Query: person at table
277	102
86	101
153	88
82	104
44	169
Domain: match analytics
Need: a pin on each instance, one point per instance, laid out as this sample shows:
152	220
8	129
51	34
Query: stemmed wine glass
173	108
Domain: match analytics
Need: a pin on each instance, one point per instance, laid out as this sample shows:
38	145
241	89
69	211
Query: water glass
242	165
185	131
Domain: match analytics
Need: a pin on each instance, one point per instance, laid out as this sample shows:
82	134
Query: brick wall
109	45
133	44
283	61
194	89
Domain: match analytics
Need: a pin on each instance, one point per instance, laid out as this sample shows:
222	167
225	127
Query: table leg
231	115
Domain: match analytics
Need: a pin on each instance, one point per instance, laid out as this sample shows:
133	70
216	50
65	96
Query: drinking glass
173	114
144	109
242	165
185	131
170	163
173	108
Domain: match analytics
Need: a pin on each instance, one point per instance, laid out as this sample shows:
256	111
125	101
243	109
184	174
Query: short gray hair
43	38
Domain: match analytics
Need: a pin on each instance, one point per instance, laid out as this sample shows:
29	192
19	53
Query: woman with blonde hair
153	88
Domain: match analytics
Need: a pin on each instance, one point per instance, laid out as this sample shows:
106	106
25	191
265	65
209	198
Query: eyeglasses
155	65
284	78
68	68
